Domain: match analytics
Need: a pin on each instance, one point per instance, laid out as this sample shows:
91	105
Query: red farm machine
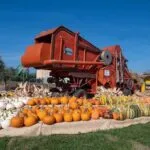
69	56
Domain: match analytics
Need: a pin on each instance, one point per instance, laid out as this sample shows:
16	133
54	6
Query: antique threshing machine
71	57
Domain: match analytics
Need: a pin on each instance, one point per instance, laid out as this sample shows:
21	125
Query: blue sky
103	23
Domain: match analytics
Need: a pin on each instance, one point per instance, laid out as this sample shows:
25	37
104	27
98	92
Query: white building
42	74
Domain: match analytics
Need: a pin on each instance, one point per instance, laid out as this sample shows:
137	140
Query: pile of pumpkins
56	110
69	109
9	107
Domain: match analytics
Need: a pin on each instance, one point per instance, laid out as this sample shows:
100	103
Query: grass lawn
133	137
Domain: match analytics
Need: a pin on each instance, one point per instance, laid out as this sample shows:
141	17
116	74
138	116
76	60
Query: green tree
2	68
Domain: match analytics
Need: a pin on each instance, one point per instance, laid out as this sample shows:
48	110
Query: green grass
133	137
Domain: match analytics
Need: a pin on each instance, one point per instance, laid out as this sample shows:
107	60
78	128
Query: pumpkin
116	115
80	101
68	117
107	115
72	99
85	115
21	114
95	114
54	101
76	116
85	101
58	117
43	102
48	109
64	100
36	100
122	116
17	122
34	115
97	102
92	101
41	114
25	111
29	121
73	105
31	102
130	113
48	100
34	108
49	119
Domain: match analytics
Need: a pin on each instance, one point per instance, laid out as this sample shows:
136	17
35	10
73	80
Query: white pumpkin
18	104
2	105
10	106
5	123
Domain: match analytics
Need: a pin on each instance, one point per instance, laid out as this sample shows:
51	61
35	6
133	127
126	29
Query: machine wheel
106	57
80	93
129	84
127	91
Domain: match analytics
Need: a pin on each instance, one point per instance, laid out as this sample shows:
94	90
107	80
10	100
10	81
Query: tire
106	57
127	91
80	93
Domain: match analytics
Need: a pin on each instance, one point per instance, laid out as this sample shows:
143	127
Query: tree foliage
10	73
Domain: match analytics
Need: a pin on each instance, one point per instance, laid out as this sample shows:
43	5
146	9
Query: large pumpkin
48	100
76	116
85	115
36	100
73	105
34	108
17	122
80	101
64	100
43	102
54	101
72	99
68	117
95	114
25	111
116	115
29	121
31	102
41	114
58	117
49	119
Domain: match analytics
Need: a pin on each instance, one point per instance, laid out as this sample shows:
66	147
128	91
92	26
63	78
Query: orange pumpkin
77	111
73	105
76	116
72	99
43	102
95	114
85	101
58	117
85	115
48	109
41	114
64	100
31	102
48	100
97	102
21	114
34	108
54	101
17	122
36	100
29	121
34	115
80	101
49	119
116	115
25	111
68	117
